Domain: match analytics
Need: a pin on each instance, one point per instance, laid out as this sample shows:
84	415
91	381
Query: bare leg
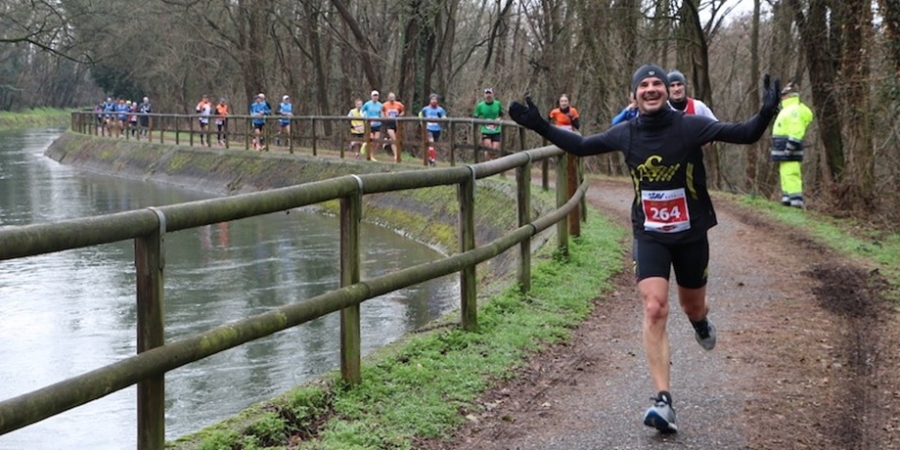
654	293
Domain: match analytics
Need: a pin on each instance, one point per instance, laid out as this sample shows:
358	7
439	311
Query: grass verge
37	117
418	388
877	248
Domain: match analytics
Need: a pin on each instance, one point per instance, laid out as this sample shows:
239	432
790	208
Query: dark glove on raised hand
528	116
771	101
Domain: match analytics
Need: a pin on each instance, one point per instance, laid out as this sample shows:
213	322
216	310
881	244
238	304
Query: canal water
67	313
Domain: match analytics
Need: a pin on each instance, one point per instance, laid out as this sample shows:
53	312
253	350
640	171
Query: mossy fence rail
148	227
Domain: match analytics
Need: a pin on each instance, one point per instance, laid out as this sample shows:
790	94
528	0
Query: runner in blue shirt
122	109
259	109
433	111
286	111
372	108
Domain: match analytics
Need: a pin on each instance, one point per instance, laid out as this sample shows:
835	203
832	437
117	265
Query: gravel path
806	357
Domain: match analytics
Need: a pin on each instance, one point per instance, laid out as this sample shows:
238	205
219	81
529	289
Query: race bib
491	127
431	124
392	113
665	211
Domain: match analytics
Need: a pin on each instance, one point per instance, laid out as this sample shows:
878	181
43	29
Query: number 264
665	214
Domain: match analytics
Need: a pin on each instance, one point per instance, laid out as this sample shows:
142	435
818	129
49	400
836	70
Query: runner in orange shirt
392	109
221	121
565	116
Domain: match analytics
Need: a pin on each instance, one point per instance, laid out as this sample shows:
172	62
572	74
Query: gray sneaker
705	334
661	416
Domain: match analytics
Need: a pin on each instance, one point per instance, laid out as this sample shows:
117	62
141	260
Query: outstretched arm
747	132
529	117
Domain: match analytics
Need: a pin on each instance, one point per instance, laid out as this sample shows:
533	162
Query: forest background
844	55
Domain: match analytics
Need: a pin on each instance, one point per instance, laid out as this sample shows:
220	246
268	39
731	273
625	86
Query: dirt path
806	358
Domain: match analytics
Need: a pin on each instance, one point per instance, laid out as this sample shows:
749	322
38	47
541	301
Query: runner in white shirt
679	100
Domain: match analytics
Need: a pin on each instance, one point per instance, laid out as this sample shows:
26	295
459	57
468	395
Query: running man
259	109
122	109
392	109
490	109
145	108
357	130
133	118
101	122
372	109
565	116
671	212
627	113
679	100
204	108
433	111
109	117
221	121
286	111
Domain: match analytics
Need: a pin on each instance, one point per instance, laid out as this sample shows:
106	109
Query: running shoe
661	415
705	333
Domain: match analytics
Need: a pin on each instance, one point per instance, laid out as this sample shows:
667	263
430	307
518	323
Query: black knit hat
648	71
675	75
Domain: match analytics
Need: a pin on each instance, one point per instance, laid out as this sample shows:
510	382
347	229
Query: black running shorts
690	260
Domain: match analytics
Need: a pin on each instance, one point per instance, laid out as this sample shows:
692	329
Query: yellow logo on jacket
652	170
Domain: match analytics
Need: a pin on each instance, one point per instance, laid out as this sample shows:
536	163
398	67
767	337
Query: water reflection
67	313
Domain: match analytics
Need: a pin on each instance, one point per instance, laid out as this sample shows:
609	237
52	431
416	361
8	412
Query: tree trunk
754	154
319	65
363	46
857	23
821	59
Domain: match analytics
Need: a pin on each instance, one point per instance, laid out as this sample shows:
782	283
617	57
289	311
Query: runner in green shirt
490	109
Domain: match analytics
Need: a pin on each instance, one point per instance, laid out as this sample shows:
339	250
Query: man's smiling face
652	95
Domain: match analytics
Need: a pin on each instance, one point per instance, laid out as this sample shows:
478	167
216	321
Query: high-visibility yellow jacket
789	129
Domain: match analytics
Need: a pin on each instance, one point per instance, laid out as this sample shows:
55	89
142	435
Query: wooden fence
461	138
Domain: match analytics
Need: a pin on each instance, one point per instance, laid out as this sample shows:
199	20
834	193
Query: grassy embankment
417	387
876	249
38	117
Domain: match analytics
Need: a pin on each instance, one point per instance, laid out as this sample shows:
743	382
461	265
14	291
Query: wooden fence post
571	185
314	140
475	145
453	144
562	229
368	139
468	294
291	136
545	171
151	396
351	213
523	183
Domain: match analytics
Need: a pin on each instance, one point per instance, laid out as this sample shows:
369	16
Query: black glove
528	116
771	101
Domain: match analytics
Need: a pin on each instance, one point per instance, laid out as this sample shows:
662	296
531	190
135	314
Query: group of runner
383	117
117	117
387	113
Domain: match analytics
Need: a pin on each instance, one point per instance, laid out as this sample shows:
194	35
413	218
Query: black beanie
647	71
675	75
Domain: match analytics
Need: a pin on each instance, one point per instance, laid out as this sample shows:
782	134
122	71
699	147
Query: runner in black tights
672	210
